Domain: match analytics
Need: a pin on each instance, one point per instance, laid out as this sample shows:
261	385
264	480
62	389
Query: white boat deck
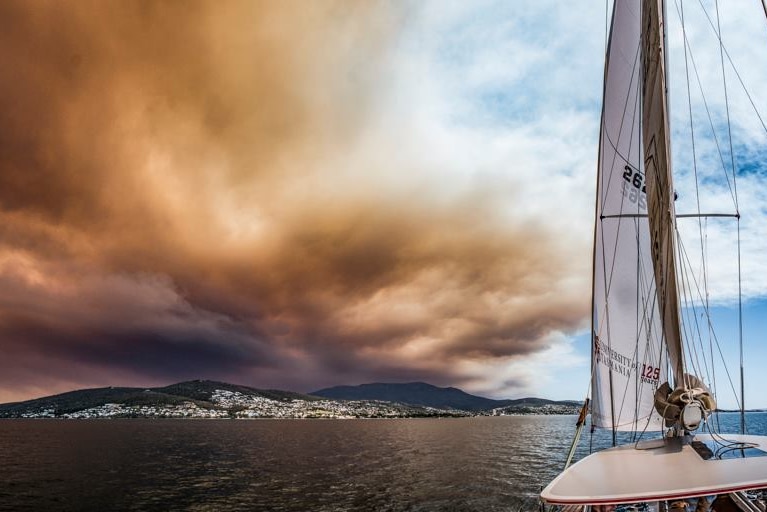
672	470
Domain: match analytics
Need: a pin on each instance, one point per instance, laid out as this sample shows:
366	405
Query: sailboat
641	380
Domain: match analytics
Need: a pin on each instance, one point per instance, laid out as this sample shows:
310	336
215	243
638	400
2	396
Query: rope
579	427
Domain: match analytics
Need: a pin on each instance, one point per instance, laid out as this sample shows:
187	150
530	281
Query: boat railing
746	504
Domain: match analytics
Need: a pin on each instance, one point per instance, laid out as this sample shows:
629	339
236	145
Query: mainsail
629	361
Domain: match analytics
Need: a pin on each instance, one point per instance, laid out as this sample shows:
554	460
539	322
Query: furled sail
657	164
629	361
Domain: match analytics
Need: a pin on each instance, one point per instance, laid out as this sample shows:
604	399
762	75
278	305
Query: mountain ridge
213	399
198	392
424	394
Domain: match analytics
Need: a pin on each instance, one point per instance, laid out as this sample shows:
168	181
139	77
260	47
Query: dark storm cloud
177	200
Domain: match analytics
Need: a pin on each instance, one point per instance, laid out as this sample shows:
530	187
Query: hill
423	394
211	399
201	393
206	399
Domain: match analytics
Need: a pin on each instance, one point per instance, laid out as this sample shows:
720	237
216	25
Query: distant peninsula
210	399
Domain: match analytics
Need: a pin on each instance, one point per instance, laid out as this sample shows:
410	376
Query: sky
297	195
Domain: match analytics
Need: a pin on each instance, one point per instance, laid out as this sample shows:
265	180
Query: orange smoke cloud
190	190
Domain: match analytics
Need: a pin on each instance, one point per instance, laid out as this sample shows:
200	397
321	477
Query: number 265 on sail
633	187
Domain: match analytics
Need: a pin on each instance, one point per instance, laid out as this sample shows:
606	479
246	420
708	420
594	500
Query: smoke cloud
244	191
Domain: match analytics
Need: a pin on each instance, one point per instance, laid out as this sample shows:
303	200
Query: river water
484	463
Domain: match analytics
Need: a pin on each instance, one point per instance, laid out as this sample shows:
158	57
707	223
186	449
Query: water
496	463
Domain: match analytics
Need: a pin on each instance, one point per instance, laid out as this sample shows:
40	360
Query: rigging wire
711	344
743	429
731	185
716	339
694	154
708	114
737	209
694	332
732	166
735	69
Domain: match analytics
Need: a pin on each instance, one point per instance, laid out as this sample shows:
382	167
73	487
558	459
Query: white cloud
509	95
539	374
743	34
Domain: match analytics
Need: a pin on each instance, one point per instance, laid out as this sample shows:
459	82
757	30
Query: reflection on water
291	465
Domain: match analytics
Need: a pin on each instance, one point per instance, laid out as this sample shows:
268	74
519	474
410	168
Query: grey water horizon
415	464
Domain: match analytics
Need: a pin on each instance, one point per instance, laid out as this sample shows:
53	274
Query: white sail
628	359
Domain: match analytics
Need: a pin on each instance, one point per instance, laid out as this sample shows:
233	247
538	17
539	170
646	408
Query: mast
659	183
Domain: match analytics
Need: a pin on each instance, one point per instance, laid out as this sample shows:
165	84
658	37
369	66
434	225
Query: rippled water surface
497	463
